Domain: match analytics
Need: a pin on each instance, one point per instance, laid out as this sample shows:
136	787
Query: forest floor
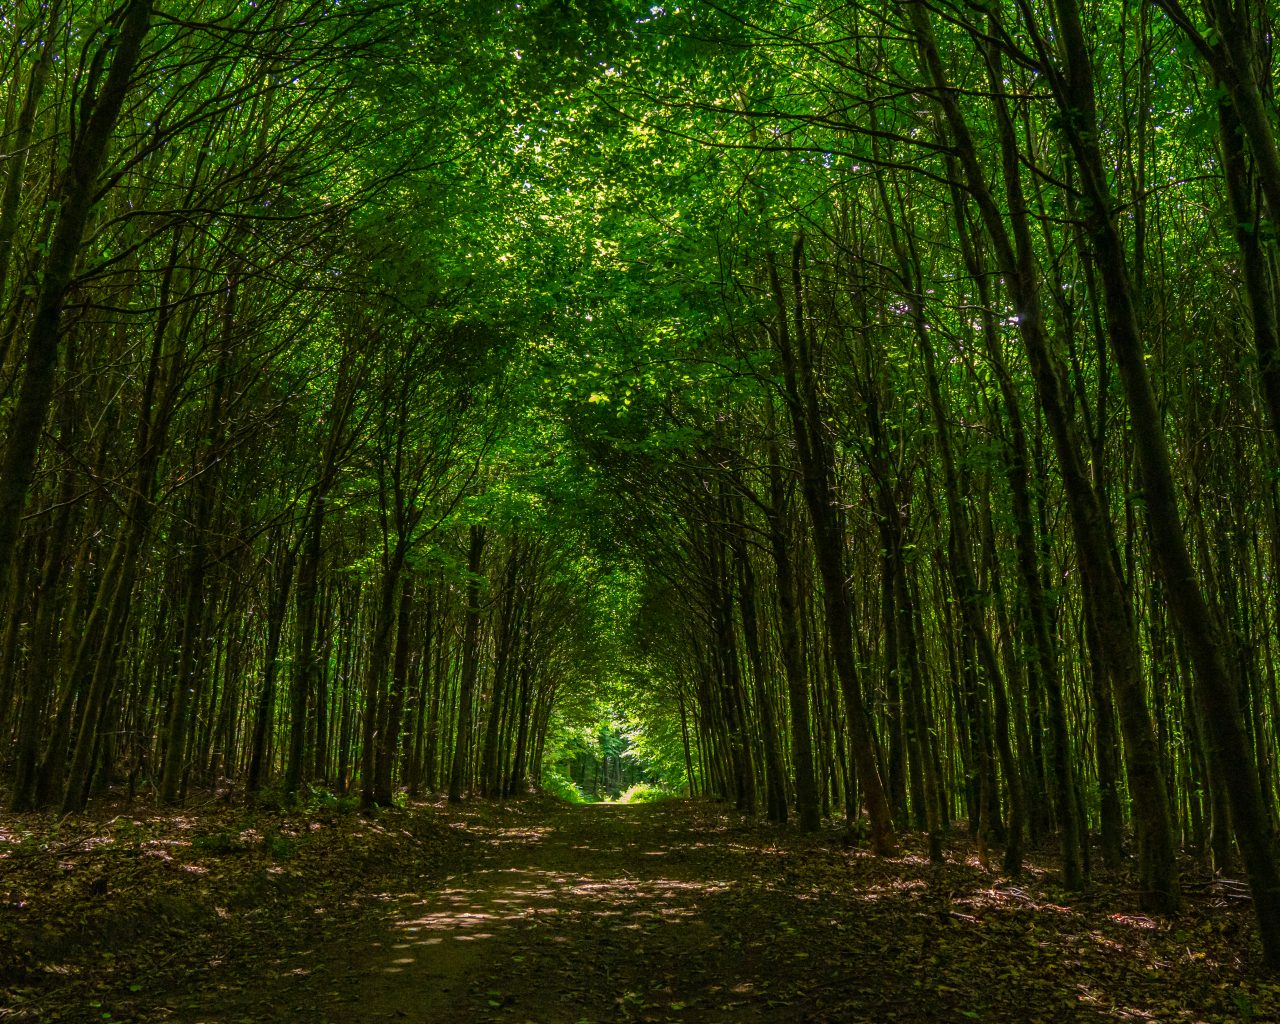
537	911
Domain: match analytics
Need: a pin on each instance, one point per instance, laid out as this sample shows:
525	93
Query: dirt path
596	913
534	911
677	912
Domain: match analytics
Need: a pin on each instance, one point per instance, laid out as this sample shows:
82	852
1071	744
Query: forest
854	426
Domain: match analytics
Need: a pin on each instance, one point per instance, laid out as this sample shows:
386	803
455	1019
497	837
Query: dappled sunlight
611	900
685	912
523	898
1134	921
896	889
544	900
1011	897
499	836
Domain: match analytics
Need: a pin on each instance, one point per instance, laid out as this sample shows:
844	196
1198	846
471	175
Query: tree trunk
77	196
1091	529
470	659
789	637
828	542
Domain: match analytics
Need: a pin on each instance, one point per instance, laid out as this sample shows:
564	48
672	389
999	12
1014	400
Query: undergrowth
560	785
644	793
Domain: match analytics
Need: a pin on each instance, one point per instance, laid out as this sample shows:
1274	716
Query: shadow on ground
673	912
679	912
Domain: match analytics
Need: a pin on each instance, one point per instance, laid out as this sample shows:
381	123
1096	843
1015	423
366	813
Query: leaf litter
535	911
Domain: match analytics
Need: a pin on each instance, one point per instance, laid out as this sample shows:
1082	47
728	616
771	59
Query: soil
676	911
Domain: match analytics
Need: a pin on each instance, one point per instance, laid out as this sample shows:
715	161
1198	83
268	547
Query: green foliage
321	798
219	843
607	752
555	782
645	793
279	846
412	269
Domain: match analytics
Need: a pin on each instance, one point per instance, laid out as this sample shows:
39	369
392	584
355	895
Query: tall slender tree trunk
389	726
774	771
1224	726
503	671
1100	575
828	540
470	659
802	759
77	195
277	605
20	148
1042	664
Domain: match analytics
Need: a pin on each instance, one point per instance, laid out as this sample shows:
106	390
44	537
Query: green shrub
644	793
219	843
560	785
321	798
279	846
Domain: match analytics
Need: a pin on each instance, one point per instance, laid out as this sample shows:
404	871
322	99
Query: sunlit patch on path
680	912
671	912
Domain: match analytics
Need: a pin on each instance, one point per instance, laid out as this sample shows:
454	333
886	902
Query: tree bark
1091	529
77	196
470	659
828	540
